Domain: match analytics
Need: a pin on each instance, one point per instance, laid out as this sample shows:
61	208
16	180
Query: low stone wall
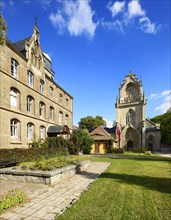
46	177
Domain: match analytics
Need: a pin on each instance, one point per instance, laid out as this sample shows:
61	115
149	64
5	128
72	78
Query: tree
82	139
165	126
91	123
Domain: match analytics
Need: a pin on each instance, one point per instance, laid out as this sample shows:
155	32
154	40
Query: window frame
15	129
30	79
42	87
14	68
30	131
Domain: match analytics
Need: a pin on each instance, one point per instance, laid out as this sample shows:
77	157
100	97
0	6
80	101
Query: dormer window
14	68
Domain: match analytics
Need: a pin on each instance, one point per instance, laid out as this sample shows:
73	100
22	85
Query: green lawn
129	189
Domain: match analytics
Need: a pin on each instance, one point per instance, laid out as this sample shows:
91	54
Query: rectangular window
42	87
30	104
30	79
51	93
14	68
14	98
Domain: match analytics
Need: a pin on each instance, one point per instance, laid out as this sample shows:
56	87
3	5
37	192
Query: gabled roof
151	125
100	134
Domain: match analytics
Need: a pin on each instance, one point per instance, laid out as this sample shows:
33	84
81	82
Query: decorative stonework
130	114
3	30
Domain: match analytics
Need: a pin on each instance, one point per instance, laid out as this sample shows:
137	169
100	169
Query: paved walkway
52	201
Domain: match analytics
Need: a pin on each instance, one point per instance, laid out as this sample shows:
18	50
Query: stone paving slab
54	200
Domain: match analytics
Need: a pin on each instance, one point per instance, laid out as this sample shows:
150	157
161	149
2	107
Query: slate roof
20	45
100	134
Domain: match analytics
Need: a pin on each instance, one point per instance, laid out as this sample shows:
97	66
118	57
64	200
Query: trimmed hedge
31	154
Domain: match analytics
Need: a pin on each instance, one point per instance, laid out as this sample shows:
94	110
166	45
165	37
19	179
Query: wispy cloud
160	95
76	17
131	13
165	100
165	105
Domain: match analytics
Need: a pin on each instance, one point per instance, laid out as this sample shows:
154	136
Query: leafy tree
165	126
90	122
81	138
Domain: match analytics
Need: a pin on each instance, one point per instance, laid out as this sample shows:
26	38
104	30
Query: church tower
130	112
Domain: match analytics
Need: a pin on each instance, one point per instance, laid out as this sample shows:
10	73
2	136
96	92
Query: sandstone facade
30	99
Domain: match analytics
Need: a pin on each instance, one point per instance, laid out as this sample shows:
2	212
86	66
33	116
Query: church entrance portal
130	145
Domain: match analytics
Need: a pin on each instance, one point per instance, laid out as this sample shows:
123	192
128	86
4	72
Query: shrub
57	142
12	198
32	154
82	139
52	164
118	151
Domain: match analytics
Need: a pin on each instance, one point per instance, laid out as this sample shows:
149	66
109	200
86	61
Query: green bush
12	198
32	154
118	151
52	164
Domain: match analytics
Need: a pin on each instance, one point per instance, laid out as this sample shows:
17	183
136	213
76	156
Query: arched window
42	132
30	131
67	103
51	113
60	118
14	68
60	99
130	117
30	79
14	98
15	129
30	104
42	109
66	119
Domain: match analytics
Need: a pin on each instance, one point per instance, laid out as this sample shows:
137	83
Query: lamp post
141	130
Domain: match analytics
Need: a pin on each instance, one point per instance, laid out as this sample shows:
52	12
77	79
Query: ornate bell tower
130	112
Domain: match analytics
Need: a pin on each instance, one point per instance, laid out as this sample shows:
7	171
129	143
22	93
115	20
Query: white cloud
147	26
134	9
76	17
116	8
160	95
125	14
109	123
165	105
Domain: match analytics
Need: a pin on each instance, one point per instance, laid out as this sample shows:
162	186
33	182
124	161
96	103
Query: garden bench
8	162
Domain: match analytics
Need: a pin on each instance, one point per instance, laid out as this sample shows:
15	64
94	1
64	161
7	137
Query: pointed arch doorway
130	145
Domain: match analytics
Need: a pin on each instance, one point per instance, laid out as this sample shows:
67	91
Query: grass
49	164
129	189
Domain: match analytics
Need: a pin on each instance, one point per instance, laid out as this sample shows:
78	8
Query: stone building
32	104
135	130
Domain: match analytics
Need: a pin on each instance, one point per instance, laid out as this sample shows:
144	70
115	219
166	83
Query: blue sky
94	44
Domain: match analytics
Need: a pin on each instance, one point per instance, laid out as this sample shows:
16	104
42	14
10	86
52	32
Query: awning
60	129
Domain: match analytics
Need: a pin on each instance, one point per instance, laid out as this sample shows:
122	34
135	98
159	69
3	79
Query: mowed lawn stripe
128	189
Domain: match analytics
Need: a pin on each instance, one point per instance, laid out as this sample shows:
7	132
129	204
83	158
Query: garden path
47	202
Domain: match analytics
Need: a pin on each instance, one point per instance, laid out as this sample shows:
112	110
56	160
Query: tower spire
3	28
